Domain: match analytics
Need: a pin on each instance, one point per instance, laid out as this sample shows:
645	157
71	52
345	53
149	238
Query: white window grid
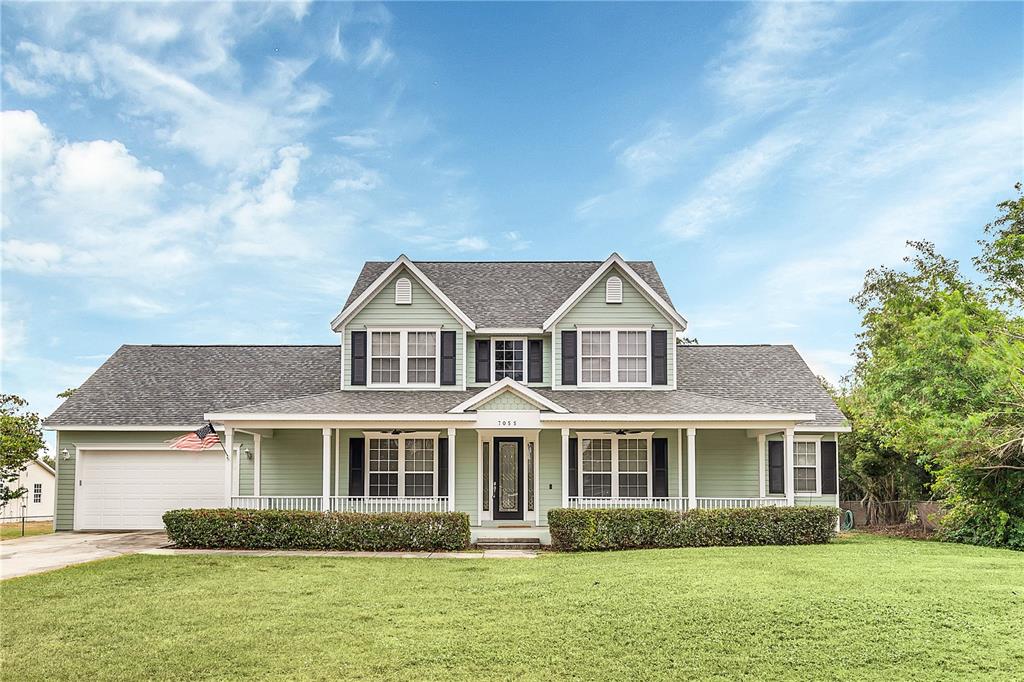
806	467
612	465
37	493
508	358
409	462
617	357
413	363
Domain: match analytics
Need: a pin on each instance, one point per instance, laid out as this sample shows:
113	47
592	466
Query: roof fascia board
509	385
381	280
798	417
123	427
334	417
614	259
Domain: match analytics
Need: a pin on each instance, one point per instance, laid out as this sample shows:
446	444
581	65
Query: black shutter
660	462
659	357
447	358
829	462
535	367
776	467
569	358
574	488
356	466
442	466
483	361
358	358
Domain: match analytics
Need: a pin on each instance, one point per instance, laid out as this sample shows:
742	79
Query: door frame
521	457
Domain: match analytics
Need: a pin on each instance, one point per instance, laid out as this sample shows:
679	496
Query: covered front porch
507	477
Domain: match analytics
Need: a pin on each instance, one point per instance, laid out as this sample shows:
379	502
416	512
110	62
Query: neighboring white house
40	482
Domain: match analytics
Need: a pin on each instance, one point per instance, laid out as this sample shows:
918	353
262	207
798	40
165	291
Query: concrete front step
508	543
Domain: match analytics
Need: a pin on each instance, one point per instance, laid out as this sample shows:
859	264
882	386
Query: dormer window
403	291
613	290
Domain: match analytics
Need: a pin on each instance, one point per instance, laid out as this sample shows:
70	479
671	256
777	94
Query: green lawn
865	607
11	531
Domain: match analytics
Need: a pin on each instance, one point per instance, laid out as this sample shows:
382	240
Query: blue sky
199	173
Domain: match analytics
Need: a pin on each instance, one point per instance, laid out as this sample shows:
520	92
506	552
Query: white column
790	497
691	467
762	443
229	446
565	468
257	447
679	463
536	479
451	469
326	480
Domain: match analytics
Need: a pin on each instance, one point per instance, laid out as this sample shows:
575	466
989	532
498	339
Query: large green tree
21	441
940	376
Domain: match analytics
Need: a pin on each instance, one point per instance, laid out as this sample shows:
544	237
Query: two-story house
500	389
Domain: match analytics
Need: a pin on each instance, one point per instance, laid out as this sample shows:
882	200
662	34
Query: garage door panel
132	489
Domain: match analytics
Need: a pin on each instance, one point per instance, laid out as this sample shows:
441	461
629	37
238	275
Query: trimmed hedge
576	530
276	529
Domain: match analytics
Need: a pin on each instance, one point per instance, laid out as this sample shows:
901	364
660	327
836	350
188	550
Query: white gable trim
508	385
379	283
645	288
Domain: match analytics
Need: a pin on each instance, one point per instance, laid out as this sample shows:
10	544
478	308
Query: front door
508	478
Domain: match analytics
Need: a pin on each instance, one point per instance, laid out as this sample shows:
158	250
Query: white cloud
654	155
102	171
771	65
471	244
354	176
26	147
31	257
46	62
127	305
720	195
514	241
25	85
335	47
360	139
377	54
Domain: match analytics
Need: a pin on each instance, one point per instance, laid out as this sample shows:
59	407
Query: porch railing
669	503
389	504
285	502
740	502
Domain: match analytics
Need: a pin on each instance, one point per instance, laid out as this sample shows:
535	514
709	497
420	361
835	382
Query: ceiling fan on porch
399	432
624	432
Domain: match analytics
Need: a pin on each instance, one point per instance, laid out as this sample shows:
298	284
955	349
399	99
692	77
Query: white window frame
817	465
526	356
37	493
403	357
614	338
401	438
615	438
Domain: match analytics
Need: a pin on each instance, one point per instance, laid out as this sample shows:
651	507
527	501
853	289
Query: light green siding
672	436
424	311
291	463
592	311
550	469
507	401
64	505
466	460
471	361
726	464
245	465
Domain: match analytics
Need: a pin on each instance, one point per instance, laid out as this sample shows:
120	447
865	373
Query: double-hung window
404	357
37	493
614	357
509	359
615	466
402	466
805	467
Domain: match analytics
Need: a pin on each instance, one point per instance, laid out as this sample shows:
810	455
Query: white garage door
130	490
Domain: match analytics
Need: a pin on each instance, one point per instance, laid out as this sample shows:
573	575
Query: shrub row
276	529
576	530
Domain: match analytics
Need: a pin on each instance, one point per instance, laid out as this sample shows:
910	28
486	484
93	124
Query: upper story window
403	291
615	466
615	357
402	357
509	359
613	290
37	492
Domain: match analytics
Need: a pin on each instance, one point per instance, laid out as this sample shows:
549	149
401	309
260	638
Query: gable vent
403	291
613	290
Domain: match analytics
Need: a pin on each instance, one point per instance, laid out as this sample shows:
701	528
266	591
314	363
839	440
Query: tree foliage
21	440
939	382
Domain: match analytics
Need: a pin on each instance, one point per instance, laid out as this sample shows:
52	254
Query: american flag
202	438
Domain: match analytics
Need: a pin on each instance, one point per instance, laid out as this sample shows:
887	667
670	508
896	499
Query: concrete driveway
40	553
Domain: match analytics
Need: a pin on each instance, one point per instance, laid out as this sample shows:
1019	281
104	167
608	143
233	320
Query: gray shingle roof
530	290
766	375
177	385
